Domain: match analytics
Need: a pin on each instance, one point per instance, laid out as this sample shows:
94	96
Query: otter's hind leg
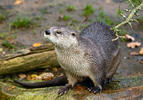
114	65
97	80
72	80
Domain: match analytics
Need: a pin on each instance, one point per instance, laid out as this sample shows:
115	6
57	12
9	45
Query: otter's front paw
64	89
94	89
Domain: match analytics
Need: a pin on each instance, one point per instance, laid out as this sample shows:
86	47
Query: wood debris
130	38
133	44
141	51
133	53
36	44
18	2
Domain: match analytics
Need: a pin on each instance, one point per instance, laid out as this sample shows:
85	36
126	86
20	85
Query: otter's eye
58	32
73	34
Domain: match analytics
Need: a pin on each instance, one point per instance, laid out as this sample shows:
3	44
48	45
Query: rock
130	87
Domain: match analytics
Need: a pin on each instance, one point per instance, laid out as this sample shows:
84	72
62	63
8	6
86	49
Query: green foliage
43	11
140	20
51	5
67	18
82	26
7	36
13	36
2	35
21	23
102	17
135	2
7	44
2	17
38	18
61	11
74	22
70	8
88	10
118	12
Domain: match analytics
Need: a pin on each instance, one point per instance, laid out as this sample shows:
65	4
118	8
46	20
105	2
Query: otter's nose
47	32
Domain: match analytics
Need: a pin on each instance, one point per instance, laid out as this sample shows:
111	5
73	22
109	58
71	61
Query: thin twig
127	20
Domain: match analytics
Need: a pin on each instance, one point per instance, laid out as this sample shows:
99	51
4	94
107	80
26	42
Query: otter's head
61	37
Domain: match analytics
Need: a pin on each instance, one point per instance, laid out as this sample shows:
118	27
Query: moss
8	45
2	17
7	36
51	5
21	22
88	10
50	93
74	23
122	82
3	35
60	10
70	8
102	17
67	18
82	26
140	20
43	11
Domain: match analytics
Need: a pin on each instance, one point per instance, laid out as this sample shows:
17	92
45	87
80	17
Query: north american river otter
91	54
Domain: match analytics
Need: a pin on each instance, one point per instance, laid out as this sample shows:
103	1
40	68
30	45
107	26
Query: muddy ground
47	13
42	14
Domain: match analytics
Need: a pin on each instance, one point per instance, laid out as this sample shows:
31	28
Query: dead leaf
133	44
1	49
22	76
38	78
36	2
47	76
12	40
55	69
134	53
28	77
141	51
80	88
61	75
33	76
108	1
3	53
13	87
18	2
130	38
9	89
141	61
36	44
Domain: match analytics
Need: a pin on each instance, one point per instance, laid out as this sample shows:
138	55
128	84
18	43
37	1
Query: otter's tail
58	81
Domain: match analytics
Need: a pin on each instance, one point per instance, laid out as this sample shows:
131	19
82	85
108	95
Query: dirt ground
46	13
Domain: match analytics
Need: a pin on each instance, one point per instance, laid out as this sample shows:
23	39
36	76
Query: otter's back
101	35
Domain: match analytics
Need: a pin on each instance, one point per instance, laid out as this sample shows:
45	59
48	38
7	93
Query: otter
91	54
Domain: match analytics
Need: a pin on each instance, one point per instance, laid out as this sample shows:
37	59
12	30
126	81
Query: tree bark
29	59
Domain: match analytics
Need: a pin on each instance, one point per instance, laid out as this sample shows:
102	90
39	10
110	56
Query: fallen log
29	59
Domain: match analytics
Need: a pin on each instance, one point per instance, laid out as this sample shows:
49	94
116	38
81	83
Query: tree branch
129	18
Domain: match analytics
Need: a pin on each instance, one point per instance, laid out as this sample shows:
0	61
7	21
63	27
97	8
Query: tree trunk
28	59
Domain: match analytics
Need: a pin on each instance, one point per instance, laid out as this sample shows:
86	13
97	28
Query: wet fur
93	56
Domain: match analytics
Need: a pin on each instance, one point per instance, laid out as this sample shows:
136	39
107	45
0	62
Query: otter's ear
73	34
